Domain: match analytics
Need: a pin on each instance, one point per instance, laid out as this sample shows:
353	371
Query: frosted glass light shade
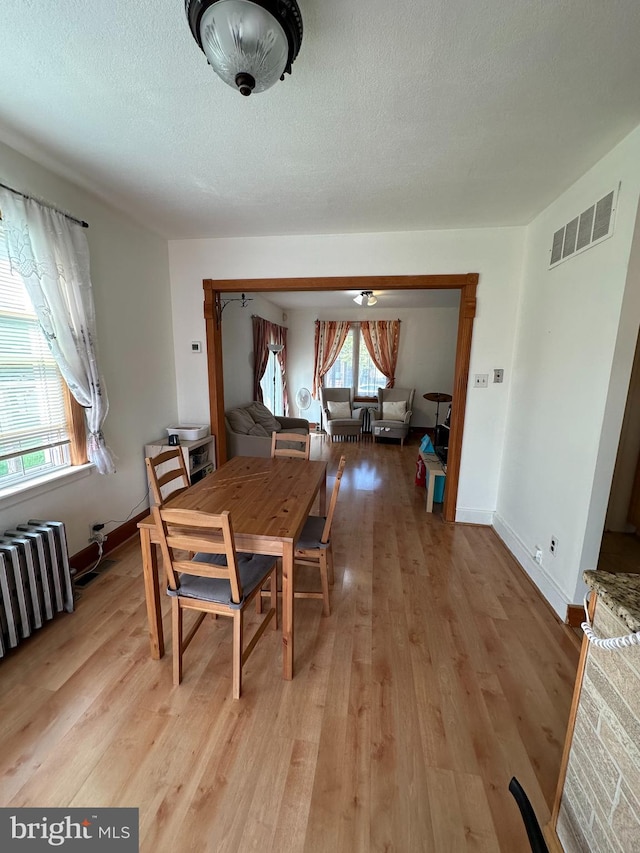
242	38
250	44
365	298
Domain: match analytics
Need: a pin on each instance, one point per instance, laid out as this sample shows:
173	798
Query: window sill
34	488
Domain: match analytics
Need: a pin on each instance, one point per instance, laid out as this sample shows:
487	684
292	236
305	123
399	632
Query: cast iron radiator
35	579
366	418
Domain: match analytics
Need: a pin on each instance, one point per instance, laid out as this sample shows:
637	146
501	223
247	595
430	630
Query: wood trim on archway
466	283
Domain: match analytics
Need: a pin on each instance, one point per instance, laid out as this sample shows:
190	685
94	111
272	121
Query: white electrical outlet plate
498	375
538	555
196	346
481	380
553	546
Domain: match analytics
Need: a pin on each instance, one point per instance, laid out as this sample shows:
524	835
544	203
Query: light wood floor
440	674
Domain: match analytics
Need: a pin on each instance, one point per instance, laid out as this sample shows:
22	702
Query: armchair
340	416
391	418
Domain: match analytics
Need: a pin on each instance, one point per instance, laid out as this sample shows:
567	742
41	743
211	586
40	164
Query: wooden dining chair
217	580
290	444
167	475
314	545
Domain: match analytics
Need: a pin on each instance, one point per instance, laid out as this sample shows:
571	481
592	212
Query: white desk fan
303	401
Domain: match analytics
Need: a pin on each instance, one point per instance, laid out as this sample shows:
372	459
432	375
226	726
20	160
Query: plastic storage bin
188	433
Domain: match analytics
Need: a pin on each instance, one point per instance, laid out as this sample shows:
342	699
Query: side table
434	470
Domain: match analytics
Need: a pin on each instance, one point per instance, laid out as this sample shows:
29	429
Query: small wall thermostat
196	346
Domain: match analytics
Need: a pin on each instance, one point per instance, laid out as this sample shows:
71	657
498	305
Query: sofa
249	429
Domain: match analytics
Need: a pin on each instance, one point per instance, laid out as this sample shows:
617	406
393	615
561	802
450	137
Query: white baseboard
474	516
547	586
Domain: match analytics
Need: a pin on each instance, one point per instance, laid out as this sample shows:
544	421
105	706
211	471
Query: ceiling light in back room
250	45
366	299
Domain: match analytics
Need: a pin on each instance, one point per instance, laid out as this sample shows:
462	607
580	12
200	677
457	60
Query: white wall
129	269
496	254
574	351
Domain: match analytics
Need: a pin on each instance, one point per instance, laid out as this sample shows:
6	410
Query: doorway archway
466	283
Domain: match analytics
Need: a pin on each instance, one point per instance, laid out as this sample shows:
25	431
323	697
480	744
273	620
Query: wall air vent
593	226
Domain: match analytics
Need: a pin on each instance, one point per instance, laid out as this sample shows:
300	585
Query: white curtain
50	253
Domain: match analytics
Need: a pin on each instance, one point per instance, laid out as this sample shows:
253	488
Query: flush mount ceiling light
366	298
249	45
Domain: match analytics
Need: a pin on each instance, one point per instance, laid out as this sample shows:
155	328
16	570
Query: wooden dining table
269	501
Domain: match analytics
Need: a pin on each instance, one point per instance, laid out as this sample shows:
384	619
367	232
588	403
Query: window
267	385
354	368
34	432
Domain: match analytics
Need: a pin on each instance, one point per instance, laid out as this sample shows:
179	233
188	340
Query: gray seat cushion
312	533
252	568
398	425
292	445
344	427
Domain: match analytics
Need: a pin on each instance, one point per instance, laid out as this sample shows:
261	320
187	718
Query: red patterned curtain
280	337
330	336
265	333
260	354
381	337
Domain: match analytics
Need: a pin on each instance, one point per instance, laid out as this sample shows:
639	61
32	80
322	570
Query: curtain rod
355	322
45	204
258	317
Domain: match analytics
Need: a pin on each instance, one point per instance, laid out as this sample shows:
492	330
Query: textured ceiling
388	300
409	115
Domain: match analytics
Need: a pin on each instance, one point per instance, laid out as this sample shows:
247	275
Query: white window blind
34	436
